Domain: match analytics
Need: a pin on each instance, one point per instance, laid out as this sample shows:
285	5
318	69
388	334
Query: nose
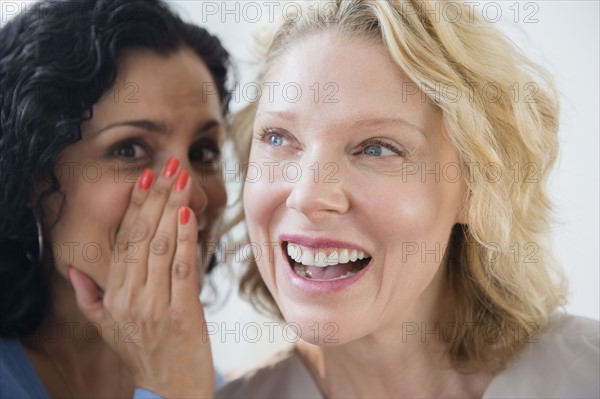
199	199
317	194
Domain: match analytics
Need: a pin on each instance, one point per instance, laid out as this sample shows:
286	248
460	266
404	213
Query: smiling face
157	108
344	180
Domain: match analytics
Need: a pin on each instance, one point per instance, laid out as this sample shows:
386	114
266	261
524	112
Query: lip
319	242
314	286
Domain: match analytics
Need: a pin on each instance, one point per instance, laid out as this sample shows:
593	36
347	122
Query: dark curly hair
56	60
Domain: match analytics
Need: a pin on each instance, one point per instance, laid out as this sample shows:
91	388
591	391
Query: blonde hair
493	283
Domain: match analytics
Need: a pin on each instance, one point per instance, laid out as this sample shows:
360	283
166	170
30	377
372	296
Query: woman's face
357	166
159	107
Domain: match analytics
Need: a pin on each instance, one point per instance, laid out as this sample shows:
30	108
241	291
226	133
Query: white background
561	35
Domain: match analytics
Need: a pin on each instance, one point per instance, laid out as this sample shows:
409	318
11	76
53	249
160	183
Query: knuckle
129	309
137	200
181	269
150	314
185	238
118	310
130	253
138	231
159	190
160	245
176	319
172	204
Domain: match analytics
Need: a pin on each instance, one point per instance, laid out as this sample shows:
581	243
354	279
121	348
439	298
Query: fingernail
145	179
184	215
182	179
170	167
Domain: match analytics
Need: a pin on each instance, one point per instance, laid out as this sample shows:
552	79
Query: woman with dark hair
98	97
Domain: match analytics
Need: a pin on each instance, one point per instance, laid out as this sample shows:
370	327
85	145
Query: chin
324	327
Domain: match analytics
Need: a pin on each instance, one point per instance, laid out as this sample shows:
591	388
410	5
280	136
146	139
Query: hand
158	291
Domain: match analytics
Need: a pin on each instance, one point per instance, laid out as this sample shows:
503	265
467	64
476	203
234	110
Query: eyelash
211	146
396	149
128	142
197	146
266	132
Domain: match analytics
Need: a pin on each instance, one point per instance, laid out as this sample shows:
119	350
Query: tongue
329	272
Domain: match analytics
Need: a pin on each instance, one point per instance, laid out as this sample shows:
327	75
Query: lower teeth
300	271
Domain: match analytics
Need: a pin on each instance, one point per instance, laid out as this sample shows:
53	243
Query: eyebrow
155	126
287	115
358	121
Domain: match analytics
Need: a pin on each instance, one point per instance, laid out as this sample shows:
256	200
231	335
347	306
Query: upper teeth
321	257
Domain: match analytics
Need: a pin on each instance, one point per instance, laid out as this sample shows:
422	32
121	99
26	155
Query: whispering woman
104	105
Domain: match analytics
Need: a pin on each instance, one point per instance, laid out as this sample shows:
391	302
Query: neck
67	344
380	366
64	327
404	359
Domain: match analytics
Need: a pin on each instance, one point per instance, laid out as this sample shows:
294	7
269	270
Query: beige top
564	363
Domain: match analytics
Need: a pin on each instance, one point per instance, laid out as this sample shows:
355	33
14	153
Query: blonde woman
387	212
416	149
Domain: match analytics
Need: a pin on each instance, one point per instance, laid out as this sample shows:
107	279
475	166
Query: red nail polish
145	179
170	167
182	179
184	215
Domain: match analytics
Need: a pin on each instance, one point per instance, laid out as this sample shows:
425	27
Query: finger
139	193
88	295
138	196
162	246
144	226
184	274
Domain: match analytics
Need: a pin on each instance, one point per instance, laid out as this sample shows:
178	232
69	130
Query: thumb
88	295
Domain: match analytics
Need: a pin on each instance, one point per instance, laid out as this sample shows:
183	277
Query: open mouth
325	264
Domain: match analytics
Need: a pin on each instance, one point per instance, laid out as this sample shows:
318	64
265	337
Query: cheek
85	232
255	210
263	203
410	211
102	203
262	195
217	195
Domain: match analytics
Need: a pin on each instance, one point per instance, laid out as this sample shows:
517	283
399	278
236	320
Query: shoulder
284	376
17	377
563	360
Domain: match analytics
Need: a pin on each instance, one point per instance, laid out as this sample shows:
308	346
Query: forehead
180	77
174	90
343	76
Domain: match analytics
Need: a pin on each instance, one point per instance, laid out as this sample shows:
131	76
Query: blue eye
275	140
375	150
